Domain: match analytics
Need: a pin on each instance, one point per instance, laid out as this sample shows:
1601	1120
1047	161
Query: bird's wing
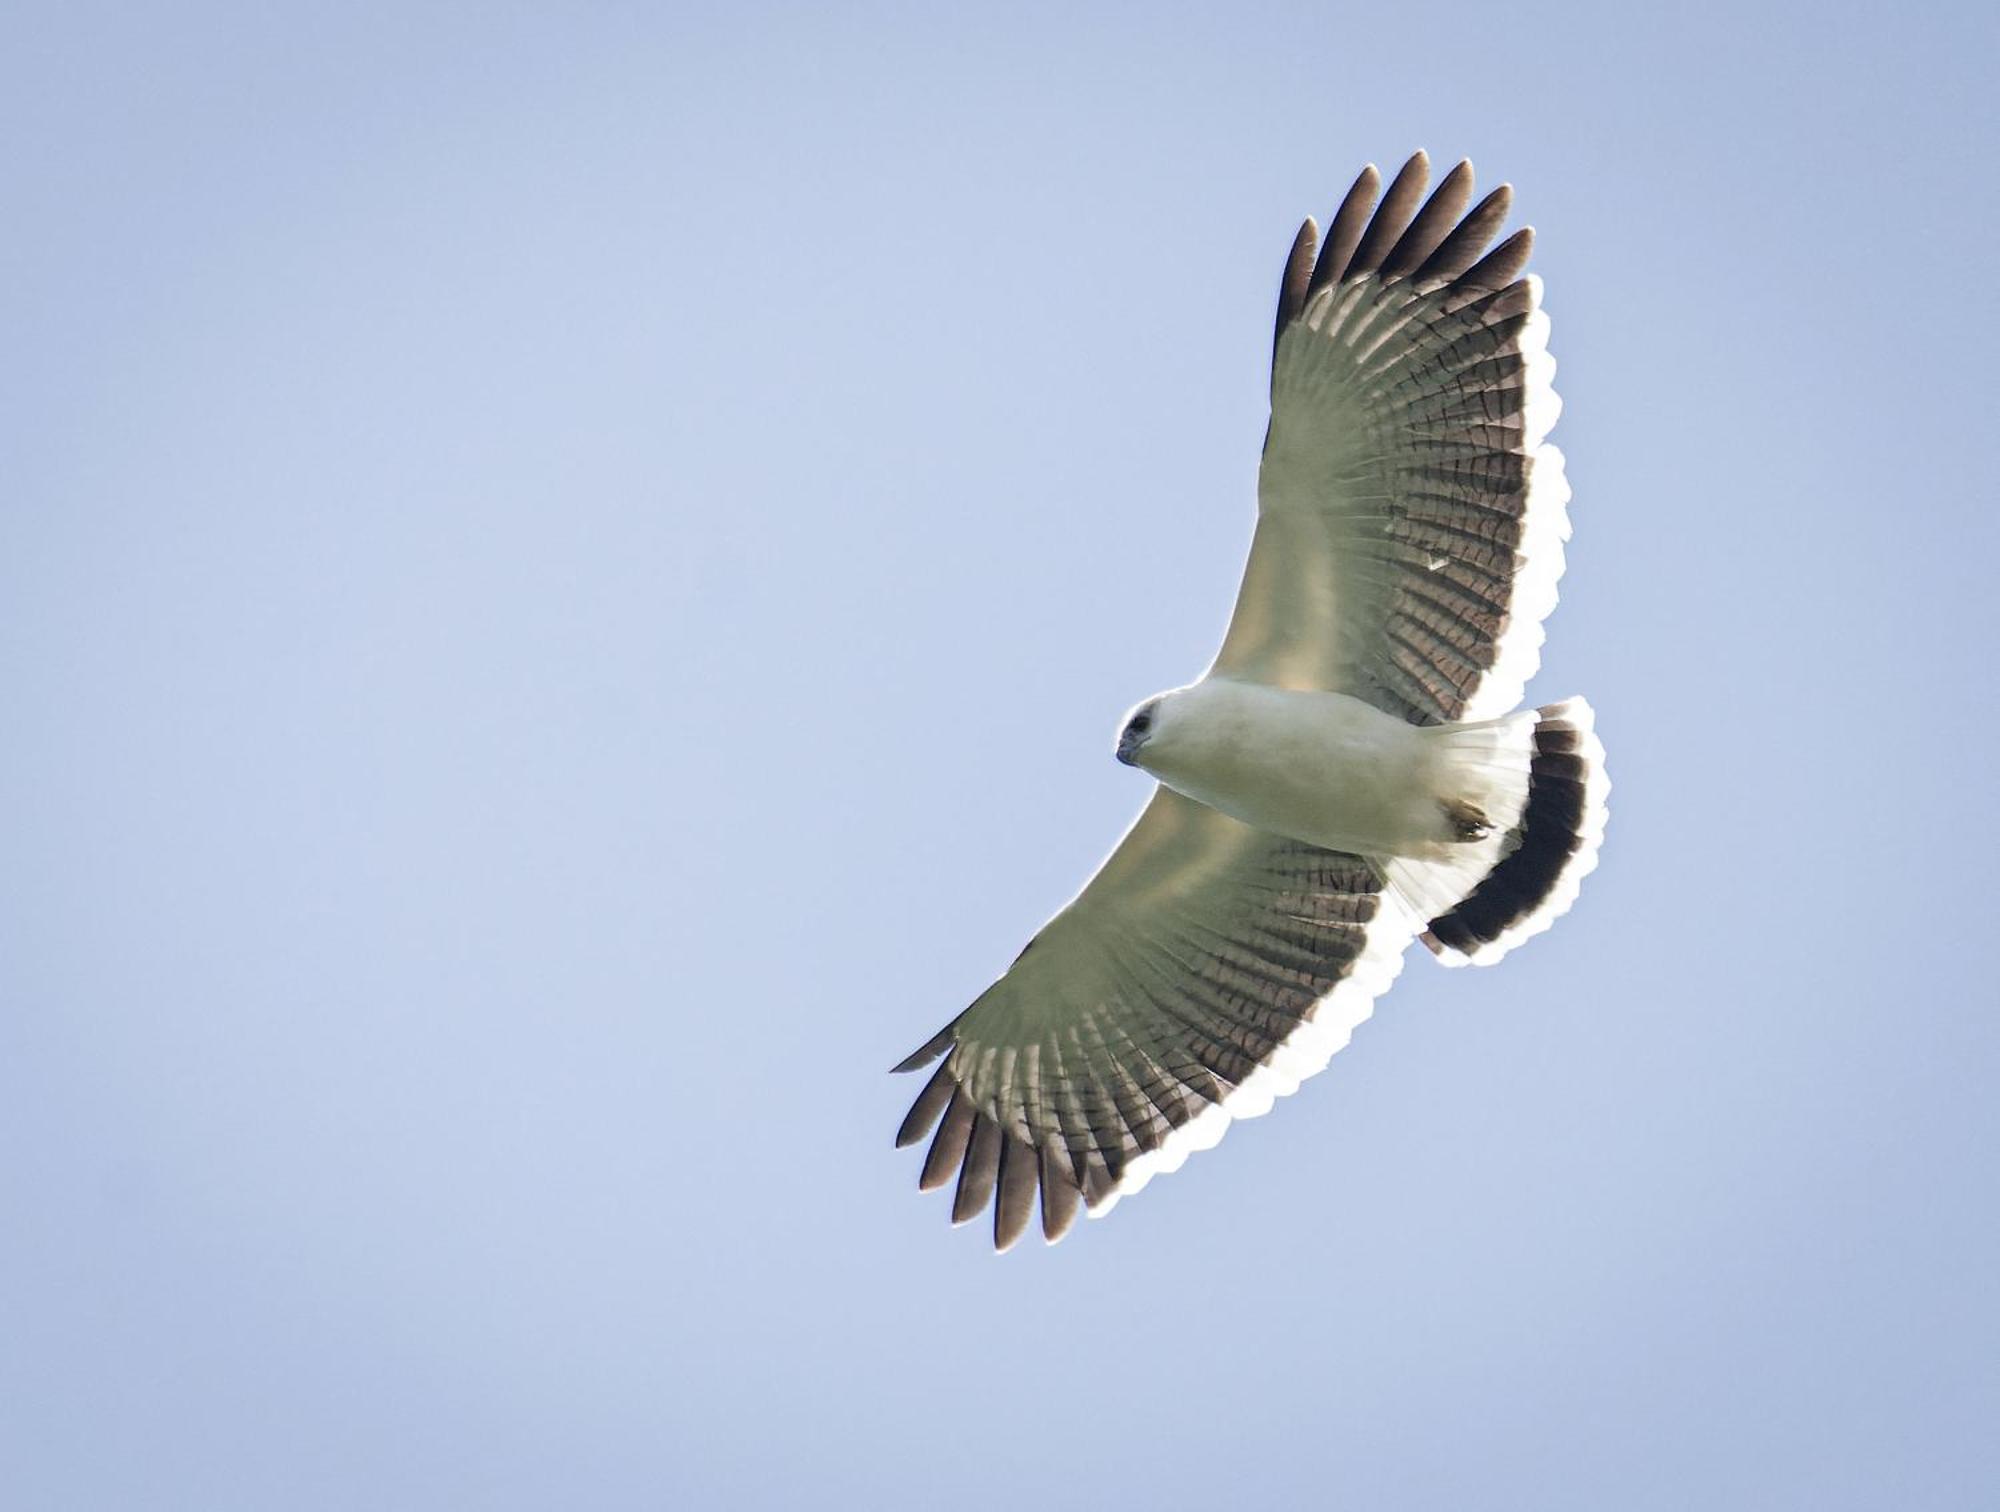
1410	513
1207	968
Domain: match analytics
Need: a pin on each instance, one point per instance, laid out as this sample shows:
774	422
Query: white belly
1320	767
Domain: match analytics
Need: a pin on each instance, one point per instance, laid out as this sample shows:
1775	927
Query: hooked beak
1129	741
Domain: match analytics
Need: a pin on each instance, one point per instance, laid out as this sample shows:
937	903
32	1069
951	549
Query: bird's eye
1141	721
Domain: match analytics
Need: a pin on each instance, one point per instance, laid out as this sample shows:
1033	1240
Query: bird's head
1141	725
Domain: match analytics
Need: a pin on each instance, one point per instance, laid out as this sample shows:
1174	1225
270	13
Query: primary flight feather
1349	775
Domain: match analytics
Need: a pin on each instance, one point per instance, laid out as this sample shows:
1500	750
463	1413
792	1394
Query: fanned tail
1549	852
1531	791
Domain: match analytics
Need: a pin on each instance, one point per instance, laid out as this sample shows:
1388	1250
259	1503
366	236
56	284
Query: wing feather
1343	233
1205	970
1292	289
1406	191
1468	240
976	1175
924	1112
947	1152
1434	222
1060	1195
1020	1177
1411	513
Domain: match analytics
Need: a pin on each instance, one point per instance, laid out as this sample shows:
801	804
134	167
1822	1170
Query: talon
1467	822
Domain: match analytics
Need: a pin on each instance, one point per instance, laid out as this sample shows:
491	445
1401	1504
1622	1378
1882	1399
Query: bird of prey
1350	775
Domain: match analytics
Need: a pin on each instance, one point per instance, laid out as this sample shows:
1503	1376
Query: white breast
1319	767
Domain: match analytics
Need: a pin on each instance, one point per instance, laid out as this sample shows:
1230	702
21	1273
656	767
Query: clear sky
567	578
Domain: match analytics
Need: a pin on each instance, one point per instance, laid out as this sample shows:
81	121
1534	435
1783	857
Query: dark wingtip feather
975	1177
1060	1196
1504	263
927	1052
924	1111
1020	1173
948	1149
1392	218
1298	274
1343	232
1433	223
1462	248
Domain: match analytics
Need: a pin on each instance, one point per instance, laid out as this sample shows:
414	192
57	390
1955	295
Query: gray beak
1129	742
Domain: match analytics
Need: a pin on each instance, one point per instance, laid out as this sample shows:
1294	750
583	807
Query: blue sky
567	577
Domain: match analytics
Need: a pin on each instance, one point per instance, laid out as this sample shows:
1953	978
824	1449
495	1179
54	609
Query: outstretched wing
1206	969
1410	513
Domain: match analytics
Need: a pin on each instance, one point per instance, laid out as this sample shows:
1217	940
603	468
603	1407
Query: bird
1352	773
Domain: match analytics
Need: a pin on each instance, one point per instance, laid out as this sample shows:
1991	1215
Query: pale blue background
567	575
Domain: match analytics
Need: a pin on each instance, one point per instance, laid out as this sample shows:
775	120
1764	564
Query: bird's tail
1536	783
